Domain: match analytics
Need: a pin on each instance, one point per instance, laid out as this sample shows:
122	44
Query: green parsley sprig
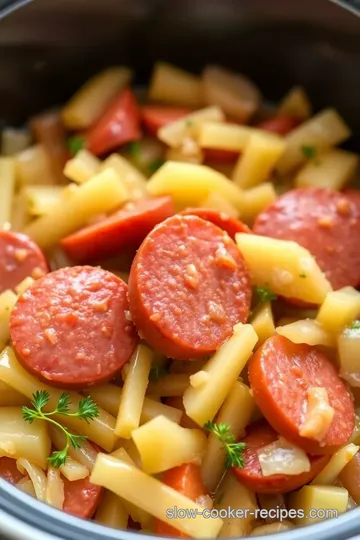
234	450
87	410
265	295
75	144
308	151
355	325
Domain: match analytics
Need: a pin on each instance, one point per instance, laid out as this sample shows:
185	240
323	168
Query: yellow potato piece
263	323
332	169
307	331
318	503
280	266
339	309
172	85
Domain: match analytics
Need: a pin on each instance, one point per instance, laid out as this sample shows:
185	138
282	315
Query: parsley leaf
234	450
75	144
309	151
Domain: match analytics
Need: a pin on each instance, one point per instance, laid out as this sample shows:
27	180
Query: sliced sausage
155	117
187	480
280	375
324	221
282	124
188	286
70	328
20	258
258	436
81	496
222	220
126	228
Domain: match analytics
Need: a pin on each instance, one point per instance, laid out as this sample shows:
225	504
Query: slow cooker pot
49	47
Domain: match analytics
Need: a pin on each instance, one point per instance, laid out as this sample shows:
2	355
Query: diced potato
232	494
238	97
14	141
318	503
112	512
224	136
20	439
281	265
255	200
74	470
103	193
20	216
82	167
236	413
333	169
175	133
151	495
24	285
336	464
9	396
349	354
41	199
172	85
202	404
263	323
189	184
307	331
260	156
8	300
349	478
90	101
216	201
171	385
133	392
33	167
188	152
130	176
160	453
296	103
7	188
322	131
339	309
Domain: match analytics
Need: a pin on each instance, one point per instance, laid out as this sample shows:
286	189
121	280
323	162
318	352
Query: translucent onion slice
73	470
54	489
319	414
282	457
37	476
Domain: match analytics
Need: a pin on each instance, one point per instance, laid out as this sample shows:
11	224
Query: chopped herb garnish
134	151
308	151
219	498
156	372
302	275
87	410
75	144
155	165
234	450
189	123
265	295
355	325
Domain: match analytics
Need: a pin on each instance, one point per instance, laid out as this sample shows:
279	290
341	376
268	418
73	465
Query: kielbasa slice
20	258
281	124
324	221
126	228
71	327
258	436
188	287
226	223
281	373
186	479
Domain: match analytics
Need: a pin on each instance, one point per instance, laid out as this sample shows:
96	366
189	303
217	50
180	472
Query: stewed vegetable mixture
179	306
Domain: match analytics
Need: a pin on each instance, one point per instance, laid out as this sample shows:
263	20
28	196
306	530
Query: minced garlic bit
21	254
199	378
282	457
191	276
319	414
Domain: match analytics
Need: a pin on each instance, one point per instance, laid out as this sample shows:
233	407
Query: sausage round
20	258
282	124
258	436
324	221
81	496
70	328
186	479
126	228
280	375
226	223
188	286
